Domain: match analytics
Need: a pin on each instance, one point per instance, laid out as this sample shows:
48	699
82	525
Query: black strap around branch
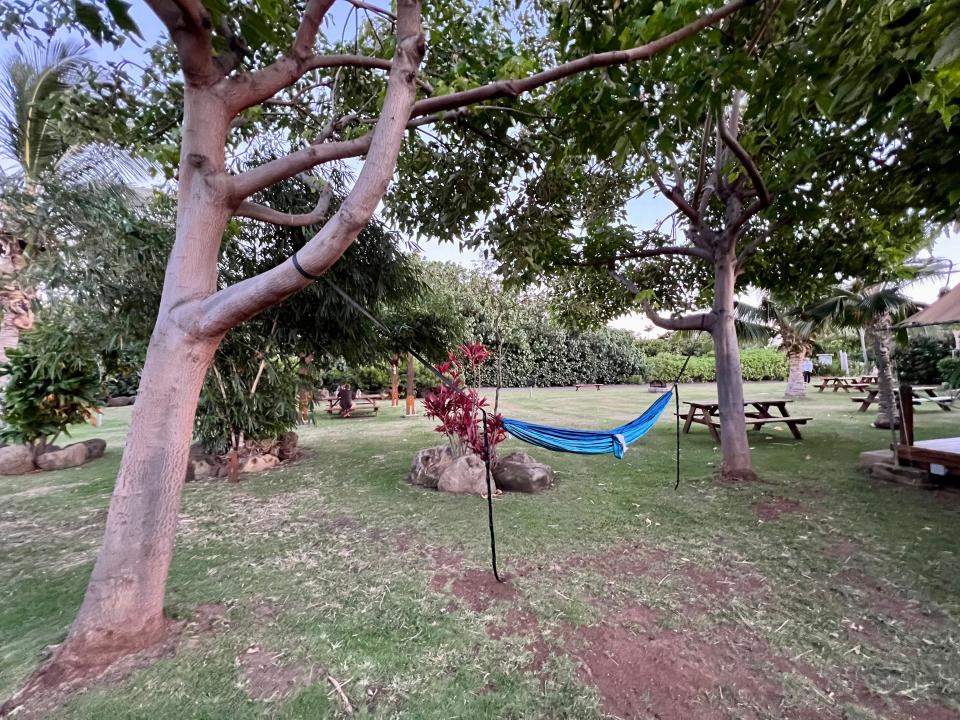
299	269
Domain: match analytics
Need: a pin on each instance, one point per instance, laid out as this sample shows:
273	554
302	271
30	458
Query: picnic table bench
580	385
708	413
844	383
921	394
364	402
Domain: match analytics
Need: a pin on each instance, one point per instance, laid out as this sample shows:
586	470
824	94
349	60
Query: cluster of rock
20	459
254	457
437	468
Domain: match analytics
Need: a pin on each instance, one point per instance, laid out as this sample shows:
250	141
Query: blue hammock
589	442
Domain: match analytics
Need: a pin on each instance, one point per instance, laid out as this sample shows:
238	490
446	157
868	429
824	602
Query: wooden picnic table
580	385
921	394
708	413
840	382
363	402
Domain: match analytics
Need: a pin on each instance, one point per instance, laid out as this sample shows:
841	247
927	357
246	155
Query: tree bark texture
887	416
796	387
734	446
394	380
16	300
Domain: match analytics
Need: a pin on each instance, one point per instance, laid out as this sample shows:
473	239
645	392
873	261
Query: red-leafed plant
459	407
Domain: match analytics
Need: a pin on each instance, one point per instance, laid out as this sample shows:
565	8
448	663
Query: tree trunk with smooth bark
735	449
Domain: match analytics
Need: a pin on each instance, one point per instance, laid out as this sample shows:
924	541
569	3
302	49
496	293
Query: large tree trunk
796	387
122	610
735	449
887	416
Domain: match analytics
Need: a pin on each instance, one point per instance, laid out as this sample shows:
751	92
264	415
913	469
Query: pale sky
642	213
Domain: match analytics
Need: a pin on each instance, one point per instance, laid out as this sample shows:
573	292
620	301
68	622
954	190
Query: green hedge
756	363
918	362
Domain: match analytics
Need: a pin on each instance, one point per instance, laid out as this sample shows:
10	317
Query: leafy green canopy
855	179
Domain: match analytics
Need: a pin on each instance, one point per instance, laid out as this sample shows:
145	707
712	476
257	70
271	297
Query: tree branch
248	89
748	164
673	194
360	4
306	36
698	321
255	211
189	26
702	167
239	302
242	186
513	88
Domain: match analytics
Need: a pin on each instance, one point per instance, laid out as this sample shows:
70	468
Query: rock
427	466
69	457
518	472
48	448
201	470
16	460
287	446
121	401
95	448
467	475
258	463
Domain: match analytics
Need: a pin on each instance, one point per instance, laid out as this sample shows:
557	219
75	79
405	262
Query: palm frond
28	82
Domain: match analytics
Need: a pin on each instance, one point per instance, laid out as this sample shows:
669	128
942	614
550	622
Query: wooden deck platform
924	453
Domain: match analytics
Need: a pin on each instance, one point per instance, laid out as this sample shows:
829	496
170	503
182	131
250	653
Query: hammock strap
486	462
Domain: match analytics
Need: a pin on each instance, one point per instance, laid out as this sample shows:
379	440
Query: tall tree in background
775	317
875	307
122	610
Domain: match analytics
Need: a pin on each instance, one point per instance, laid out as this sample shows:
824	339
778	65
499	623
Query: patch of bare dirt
479	589
674	675
901	708
770	510
265	677
620	560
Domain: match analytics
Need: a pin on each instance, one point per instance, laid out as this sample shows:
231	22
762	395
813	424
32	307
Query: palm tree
34	151
775	316
877	308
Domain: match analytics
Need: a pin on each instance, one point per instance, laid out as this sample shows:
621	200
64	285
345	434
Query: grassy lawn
814	593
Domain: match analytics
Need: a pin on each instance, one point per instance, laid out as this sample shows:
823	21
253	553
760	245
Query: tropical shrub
51	384
917	363
949	369
459	408
246	396
121	371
